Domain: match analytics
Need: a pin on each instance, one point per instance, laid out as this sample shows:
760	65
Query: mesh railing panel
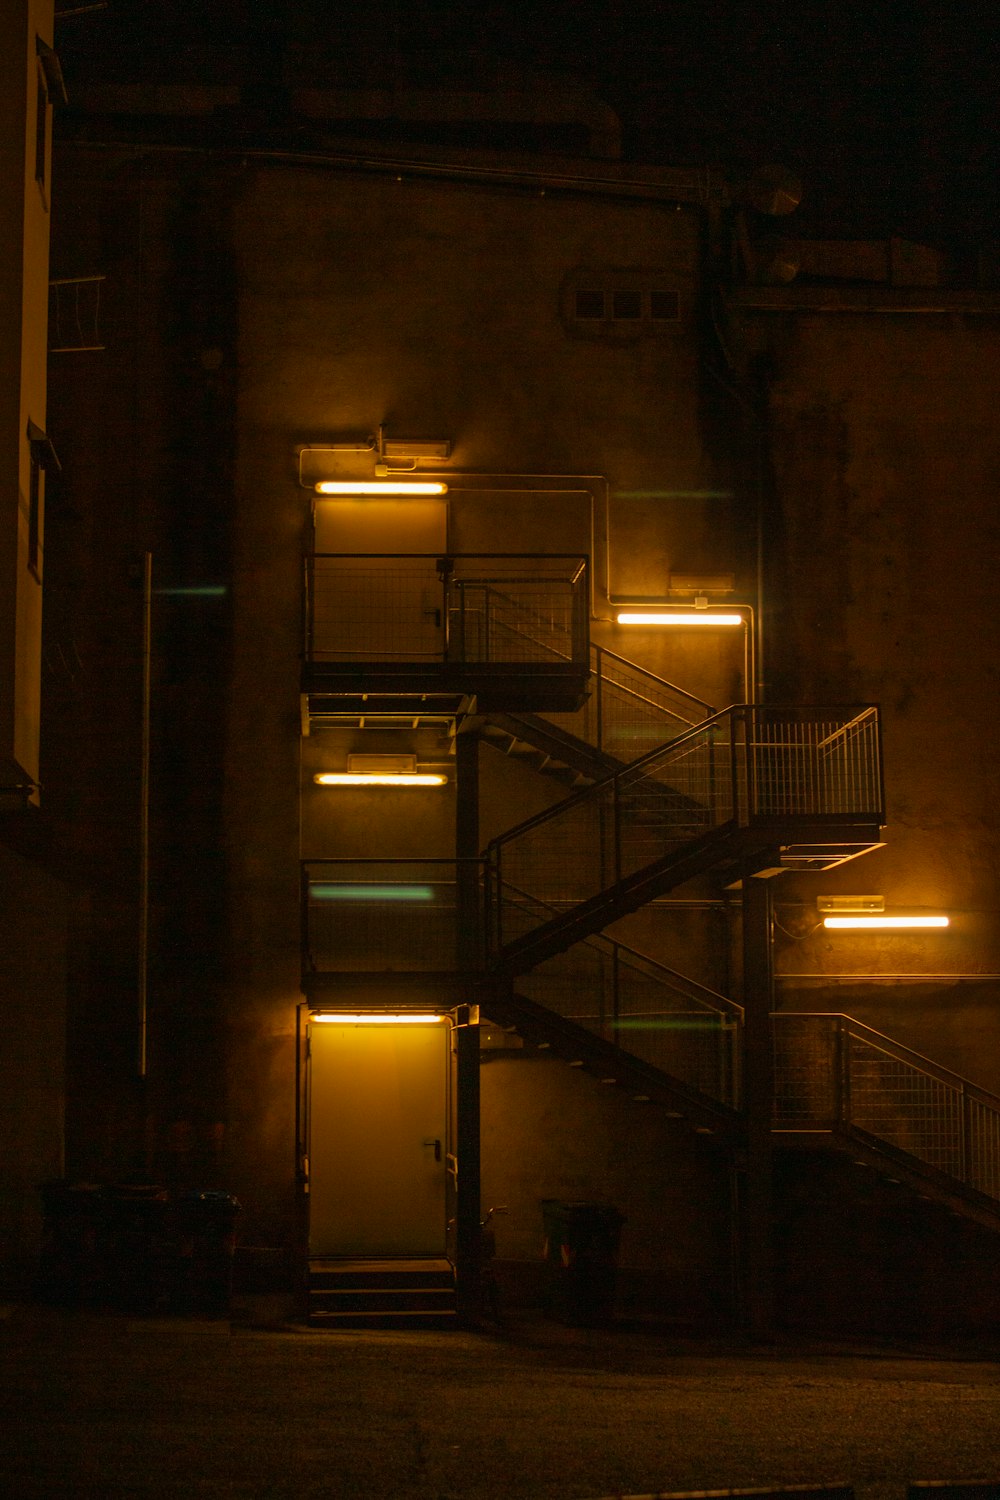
805	1087
637	1008
620	826
911	1110
630	711
524	621
829	1070
368	917
807	763
747	765
372	611
517	609
983	1134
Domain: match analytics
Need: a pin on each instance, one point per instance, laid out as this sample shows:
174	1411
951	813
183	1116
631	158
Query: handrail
748	767
908	1055
887	1095
631	666
410	606
587	793
700	993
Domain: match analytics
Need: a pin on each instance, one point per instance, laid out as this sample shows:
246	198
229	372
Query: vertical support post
756	1198
469	938
302	1155
469	953
965	1138
468	1212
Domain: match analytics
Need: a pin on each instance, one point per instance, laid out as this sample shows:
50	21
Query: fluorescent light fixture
880	921
328	891
416	447
380	487
372	1019
678	617
379	778
842	906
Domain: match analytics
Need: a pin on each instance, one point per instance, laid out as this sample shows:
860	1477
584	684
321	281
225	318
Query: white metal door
377	1139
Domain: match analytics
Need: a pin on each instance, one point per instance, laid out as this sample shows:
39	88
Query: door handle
437	1148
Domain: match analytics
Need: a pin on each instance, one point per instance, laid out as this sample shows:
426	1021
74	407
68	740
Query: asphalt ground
106	1405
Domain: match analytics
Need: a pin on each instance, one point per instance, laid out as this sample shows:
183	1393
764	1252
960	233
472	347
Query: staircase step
358	1274
372	1293
333	1319
384	1299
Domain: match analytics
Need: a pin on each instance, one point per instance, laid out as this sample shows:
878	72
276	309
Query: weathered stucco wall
549	1131
882	549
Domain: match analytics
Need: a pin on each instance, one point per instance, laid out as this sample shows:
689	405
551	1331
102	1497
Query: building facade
573	951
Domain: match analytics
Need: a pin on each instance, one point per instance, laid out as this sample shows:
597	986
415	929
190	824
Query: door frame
462	1159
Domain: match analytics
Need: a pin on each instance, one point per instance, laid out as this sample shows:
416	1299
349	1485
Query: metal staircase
633	1023
749	788
627	712
840	1083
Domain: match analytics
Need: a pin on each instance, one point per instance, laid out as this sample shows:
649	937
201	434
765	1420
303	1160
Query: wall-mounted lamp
403	1018
379	778
387	487
678	617
884	922
868	913
380	770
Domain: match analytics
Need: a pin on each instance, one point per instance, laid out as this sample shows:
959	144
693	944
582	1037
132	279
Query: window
42	457
41	131
621	305
626	303
589	304
49	88
664	306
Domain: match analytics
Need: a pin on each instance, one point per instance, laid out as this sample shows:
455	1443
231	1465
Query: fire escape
736	796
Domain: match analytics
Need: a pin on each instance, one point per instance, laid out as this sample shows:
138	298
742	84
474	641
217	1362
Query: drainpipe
143	945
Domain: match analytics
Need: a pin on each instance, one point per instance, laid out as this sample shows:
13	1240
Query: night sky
888	111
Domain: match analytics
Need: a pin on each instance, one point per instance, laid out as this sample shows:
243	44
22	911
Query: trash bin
69	1269
581	1252
133	1246
102	1245
206	1229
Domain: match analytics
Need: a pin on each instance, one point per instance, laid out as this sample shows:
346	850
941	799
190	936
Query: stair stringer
579	1047
895	1164
550	750
745	849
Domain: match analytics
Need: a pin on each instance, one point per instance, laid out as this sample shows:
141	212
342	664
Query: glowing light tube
859	923
677	617
380	487
361	1019
379	778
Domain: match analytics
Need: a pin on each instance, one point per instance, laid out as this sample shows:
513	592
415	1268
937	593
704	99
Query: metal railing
390	915
630	711
747	766
405	607
832	1071
646	1009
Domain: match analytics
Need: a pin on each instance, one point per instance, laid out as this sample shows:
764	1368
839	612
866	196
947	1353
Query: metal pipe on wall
143	944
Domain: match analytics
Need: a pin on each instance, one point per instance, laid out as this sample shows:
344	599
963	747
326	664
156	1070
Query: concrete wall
33	963
550	1131
265	307
883	536
439	309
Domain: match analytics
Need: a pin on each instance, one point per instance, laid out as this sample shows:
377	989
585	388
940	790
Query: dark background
888	112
